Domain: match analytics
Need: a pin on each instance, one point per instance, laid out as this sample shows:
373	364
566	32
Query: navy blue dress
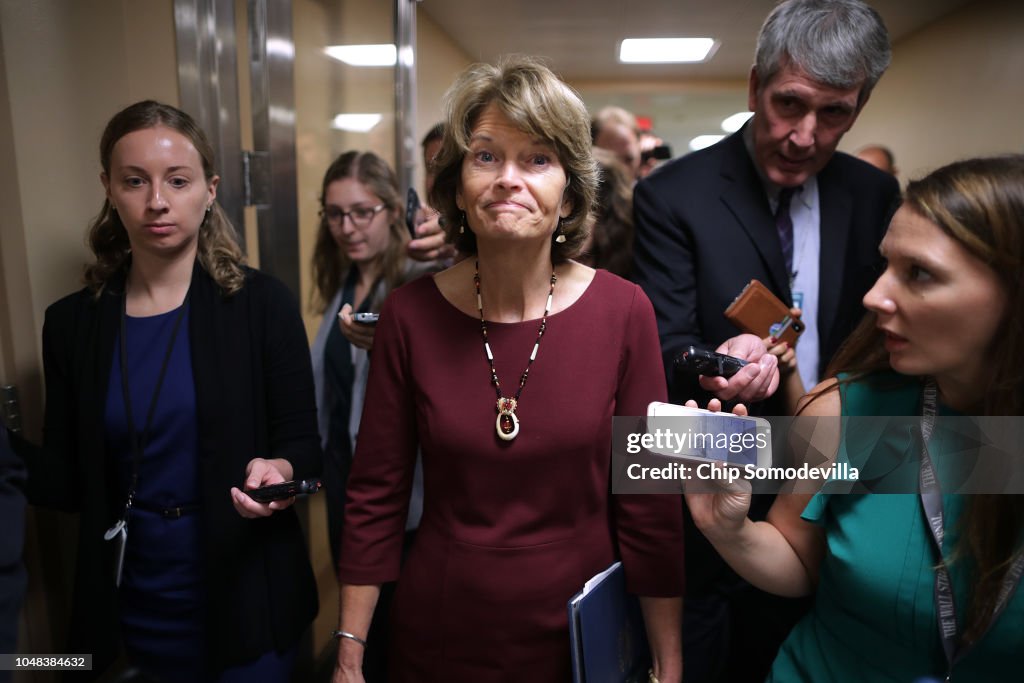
162	595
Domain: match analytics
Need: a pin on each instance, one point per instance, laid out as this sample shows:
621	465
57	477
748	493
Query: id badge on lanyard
119	534
931	505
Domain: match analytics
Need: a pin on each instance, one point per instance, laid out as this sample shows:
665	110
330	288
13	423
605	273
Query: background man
429	243
880	157
431	145
616	130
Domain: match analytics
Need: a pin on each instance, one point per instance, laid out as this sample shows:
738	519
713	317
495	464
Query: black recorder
700	362
284	490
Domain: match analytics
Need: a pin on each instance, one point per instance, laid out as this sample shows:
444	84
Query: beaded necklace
507	424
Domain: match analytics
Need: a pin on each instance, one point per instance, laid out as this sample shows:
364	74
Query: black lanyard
931	503
137	440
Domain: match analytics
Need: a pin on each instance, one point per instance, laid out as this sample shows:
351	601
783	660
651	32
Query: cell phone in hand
412	207
366	318
702	362
756	310
747	440
284	490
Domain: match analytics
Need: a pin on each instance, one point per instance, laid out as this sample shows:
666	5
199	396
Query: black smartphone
412	207
285	489
702	362
366	318
661	152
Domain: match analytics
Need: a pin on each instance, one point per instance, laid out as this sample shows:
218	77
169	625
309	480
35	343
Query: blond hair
539	104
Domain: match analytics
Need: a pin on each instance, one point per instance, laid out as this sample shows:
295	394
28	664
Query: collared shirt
805	212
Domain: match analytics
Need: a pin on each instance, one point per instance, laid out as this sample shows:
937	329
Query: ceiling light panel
356	123
731	124
363	55
665	50
702	141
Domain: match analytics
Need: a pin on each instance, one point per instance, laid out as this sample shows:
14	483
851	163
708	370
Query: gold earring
462	225
559	235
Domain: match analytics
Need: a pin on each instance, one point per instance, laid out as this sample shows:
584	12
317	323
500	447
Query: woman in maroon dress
506	369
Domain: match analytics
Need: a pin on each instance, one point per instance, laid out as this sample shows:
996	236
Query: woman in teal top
874	615
945	313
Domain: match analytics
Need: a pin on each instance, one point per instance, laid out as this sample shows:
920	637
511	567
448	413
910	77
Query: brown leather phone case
757	311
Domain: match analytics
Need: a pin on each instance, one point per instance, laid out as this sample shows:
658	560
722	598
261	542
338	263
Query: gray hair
840	43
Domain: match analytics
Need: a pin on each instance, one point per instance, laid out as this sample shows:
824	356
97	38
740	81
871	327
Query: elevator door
284	87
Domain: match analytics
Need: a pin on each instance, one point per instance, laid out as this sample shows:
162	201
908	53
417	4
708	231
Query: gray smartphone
366	318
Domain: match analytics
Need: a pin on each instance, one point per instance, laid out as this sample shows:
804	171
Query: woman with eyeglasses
360	256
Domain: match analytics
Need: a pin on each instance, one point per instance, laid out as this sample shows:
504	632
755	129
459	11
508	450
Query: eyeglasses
361	216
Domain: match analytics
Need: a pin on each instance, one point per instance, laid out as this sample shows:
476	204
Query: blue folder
606	632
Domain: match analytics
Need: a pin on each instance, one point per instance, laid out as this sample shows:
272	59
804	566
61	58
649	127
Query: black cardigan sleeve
288	372
12	570
54	468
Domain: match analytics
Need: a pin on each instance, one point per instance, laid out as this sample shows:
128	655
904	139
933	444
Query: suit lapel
745	198
836	212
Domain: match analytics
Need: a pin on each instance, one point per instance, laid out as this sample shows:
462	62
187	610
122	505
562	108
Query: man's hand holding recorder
756	371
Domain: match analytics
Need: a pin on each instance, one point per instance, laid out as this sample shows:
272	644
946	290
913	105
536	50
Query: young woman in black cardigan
176	380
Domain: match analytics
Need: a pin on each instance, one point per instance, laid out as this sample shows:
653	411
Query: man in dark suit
708	223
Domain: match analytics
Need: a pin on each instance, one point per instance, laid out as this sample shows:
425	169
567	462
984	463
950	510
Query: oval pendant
507	425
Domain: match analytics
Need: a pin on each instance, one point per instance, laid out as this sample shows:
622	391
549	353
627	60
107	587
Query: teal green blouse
874	615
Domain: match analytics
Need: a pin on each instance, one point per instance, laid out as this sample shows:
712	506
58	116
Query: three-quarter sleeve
649	527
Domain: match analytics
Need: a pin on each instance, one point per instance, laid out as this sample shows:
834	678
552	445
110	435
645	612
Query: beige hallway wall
69	66
955	89
438	61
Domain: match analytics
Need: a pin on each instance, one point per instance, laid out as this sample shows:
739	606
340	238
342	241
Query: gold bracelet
351	636
651	678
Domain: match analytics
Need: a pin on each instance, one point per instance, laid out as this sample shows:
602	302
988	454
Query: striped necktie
784	224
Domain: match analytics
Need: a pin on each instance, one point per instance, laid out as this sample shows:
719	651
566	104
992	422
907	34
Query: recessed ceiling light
659	50
356	123
733	123
363	55
702	141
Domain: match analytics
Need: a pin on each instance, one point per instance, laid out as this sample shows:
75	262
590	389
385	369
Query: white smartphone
705	436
